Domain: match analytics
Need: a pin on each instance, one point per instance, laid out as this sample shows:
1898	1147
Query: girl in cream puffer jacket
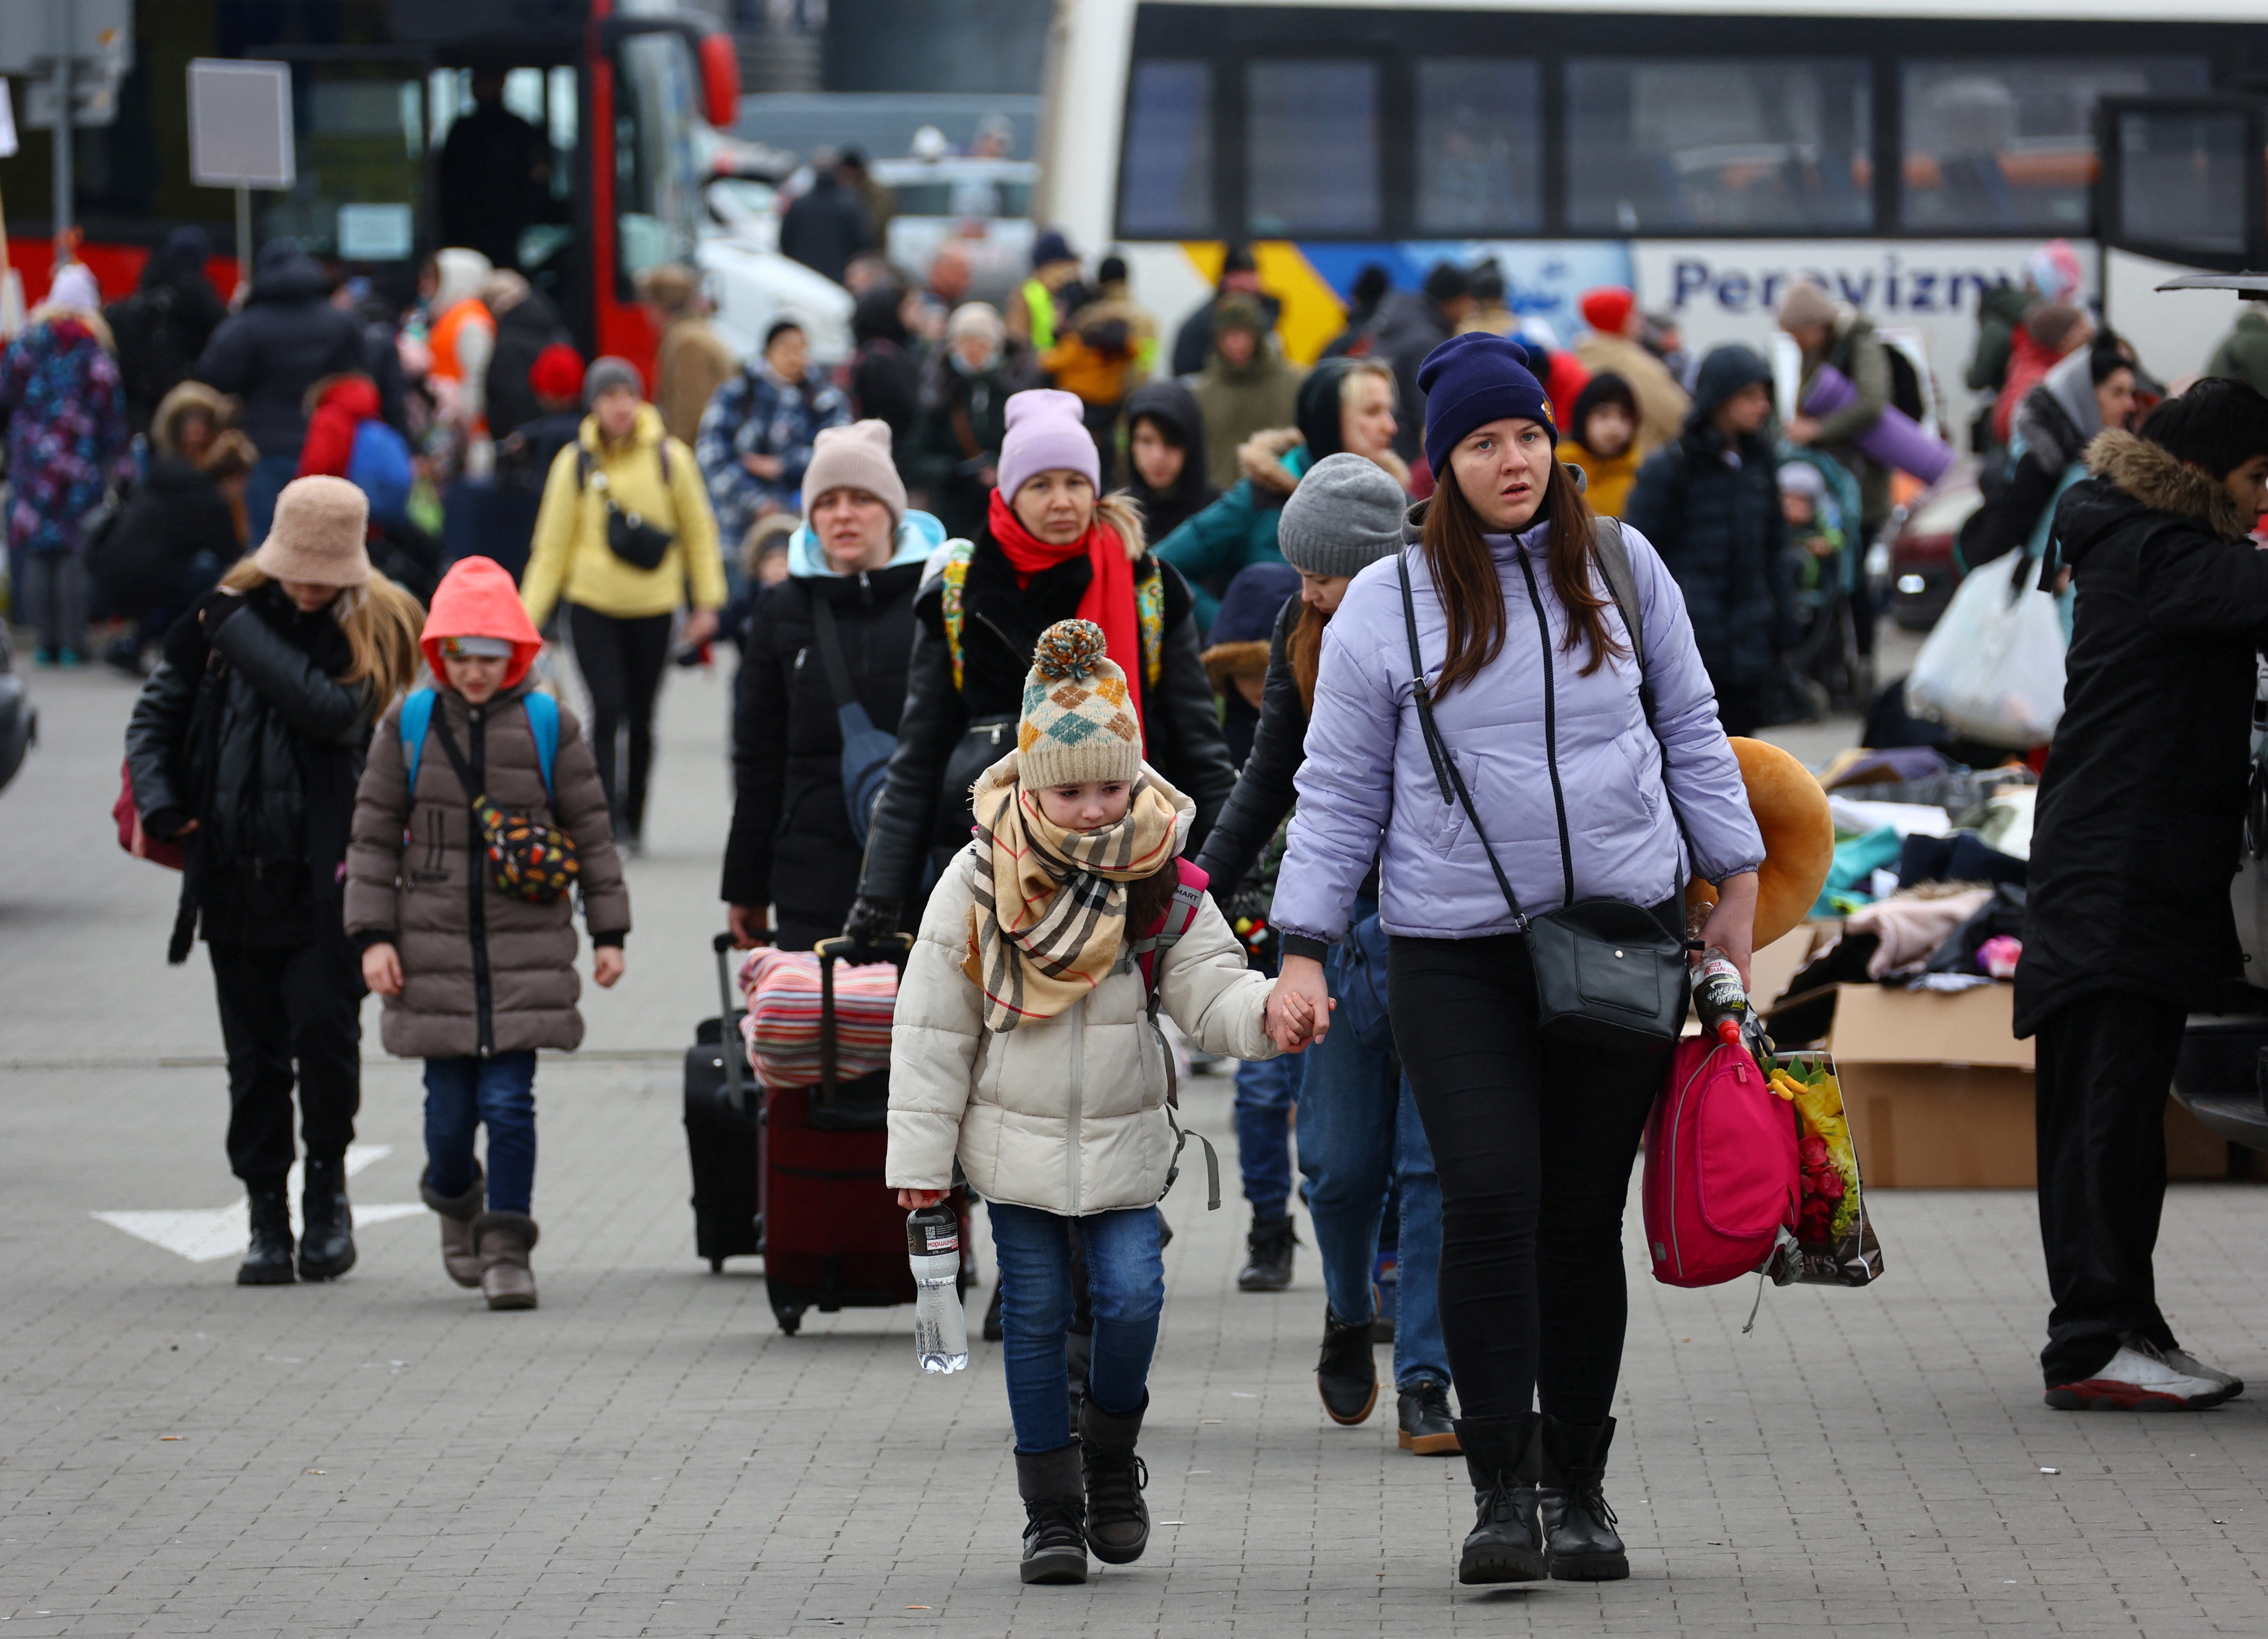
1024	1046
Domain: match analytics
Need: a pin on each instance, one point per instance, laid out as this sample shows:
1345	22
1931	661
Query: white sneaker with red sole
2140	1377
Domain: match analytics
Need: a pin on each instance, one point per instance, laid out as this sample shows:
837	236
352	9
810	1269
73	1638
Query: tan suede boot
457	1215
503	1241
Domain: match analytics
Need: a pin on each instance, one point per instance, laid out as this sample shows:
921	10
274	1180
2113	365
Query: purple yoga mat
1895	439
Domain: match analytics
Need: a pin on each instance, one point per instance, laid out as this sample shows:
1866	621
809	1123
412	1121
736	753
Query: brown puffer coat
408	872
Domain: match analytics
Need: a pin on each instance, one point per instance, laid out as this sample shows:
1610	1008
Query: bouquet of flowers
1836	1245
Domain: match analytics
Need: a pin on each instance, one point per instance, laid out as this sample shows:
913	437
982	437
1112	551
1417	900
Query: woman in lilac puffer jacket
1533	1139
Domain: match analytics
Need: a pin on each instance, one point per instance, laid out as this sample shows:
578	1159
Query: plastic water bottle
1720	999
933	1248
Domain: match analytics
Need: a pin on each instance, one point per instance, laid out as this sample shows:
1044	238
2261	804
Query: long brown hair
1304	649
380	621
1472	594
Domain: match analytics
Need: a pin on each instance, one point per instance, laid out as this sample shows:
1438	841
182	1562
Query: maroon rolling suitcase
834	1234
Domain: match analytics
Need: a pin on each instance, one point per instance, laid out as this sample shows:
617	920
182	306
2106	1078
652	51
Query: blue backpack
417	722
379	466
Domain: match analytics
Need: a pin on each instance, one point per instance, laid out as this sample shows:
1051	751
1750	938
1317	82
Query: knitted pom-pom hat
1077	724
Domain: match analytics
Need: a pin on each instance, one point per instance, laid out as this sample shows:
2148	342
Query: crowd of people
1334	644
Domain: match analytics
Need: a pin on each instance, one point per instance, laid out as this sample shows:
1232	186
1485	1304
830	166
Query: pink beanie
1045	431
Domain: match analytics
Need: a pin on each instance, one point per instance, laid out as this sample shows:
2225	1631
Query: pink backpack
1720	1187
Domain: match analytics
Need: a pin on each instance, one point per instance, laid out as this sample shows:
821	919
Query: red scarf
1108	601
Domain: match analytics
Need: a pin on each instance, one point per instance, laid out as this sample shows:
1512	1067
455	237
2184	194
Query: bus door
2181	186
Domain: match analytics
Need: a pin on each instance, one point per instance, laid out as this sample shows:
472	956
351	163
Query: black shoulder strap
828	642
1445	767
473	794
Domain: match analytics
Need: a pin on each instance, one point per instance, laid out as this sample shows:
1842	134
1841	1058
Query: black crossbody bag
1608	974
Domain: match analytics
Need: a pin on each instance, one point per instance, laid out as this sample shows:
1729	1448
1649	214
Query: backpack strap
1179	916
416	721
1613	553
543	722
953	576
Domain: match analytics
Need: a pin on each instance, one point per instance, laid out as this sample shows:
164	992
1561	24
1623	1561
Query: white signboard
374	233
240	123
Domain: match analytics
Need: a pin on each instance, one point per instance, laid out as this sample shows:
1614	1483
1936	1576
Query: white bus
1904	153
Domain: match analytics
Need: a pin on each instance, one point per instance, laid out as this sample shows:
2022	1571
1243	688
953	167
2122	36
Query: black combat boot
1507	1541
267	1260
1578	1526
1117	1520
1055	1513
327	1248
1346	1376
1268	1255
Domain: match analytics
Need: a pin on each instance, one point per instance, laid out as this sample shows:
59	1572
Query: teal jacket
1239	529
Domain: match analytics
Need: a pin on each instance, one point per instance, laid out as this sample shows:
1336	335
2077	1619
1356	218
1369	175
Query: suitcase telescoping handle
895	949
730	1046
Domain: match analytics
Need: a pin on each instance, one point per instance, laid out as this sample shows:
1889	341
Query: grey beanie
607	371
1345	515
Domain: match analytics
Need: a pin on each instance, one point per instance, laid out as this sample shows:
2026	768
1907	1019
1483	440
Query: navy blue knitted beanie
1470	381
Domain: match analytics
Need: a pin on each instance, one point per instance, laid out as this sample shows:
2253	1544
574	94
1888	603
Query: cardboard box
1939	1092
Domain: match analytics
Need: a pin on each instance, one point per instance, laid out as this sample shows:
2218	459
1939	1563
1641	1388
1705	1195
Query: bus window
656	205
2182	180
1741	144
2002	145
1480	146
1166	188
360	143
1311	147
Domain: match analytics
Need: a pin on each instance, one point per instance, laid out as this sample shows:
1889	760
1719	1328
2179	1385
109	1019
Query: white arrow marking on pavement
214	1232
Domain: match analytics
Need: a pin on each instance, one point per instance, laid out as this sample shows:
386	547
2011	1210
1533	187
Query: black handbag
629	536
1609	974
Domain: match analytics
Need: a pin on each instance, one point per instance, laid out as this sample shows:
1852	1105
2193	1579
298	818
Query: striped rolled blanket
780	1027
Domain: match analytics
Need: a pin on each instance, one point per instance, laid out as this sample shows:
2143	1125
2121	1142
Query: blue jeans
1359	1123
265	482
460	1094
1126	1281
1266	1090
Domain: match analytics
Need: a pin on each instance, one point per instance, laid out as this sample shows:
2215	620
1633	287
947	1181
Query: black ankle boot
1578	1526
1507	1541
1346	1375
267	1260
1268	1255
1118	1519
327	1248
1055	1514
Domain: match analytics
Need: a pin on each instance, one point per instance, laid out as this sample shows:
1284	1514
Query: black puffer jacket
245	728
2141	810
1718	527
287	338
948	735
791	844
523	330
173	514
161	329
1265	786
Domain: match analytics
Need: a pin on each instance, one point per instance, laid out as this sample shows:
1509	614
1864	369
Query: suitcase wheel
790	1317
716	1266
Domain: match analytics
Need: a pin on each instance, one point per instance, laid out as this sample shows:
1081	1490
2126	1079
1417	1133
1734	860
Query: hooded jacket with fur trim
2141	810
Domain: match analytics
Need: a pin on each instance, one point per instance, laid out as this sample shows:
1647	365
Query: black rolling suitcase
724	1110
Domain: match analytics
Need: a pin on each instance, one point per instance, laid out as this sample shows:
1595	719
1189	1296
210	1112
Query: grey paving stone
646	1455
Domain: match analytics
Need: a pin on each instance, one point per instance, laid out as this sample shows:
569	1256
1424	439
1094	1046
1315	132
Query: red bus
619	93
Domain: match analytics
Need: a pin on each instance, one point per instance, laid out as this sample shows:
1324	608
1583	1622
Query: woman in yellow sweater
625	537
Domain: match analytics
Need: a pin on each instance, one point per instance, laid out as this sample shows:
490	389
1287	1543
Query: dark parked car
1923	569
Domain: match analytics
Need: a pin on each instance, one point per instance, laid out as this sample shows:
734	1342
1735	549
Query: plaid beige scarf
1050	913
